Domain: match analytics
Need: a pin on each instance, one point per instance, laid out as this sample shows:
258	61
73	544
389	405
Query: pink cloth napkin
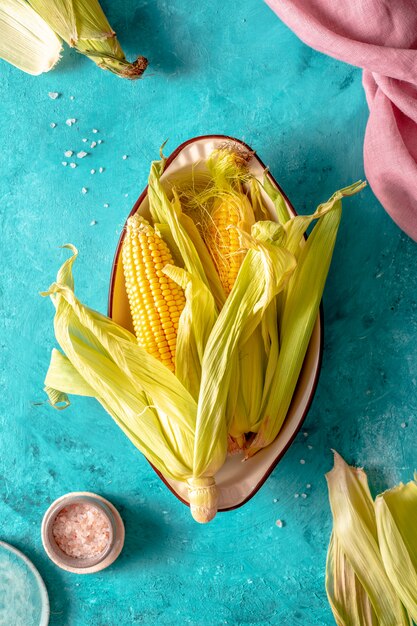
381	37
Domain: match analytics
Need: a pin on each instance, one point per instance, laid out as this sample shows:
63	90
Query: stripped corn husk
84	26
26	40
359	589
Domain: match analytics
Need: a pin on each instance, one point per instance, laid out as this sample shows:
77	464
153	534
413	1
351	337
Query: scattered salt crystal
310	447
73	165
92	171
85	140
93	223
275	500
70	121
64	163
304	495
101	170
249	581
124	157
126	194
403	425
52	124
53	95
302	461
279	523
308	486
99	141
296	495
106	205
81	154
305	433
82	531
71	97
93	144
68	153
95	130
84	190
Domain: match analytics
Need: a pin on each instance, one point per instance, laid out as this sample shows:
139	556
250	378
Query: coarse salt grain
304	495
82	154
101	170
52	124
53	95
73	165
403	425
84	190
68	153
106	205
93	222
279	523
92	171
93	144
124	157
81	531
302	461
64	163
308	486
296	495
70	121
99	141
310	447
71	97
84	140
95	130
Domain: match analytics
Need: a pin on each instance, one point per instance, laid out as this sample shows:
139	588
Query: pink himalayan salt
82	531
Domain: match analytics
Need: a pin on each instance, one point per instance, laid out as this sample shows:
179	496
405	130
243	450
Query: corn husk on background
26	40
179	388
84	26
371	573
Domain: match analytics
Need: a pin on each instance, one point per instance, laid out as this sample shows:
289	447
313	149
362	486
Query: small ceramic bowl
87	565
237	482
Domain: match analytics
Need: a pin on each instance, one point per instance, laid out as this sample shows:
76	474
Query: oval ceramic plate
237	482
23	596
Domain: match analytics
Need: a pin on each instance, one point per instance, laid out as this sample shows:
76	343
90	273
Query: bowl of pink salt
82	532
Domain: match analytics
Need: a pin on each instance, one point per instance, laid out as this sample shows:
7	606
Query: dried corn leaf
396	518
26	40
356	558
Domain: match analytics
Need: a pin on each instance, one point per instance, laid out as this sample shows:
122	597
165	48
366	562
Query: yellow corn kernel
222	240
156	302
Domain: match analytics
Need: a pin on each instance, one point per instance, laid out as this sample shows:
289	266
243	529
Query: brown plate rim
137	204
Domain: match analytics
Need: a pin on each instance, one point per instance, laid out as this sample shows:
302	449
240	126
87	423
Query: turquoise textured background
215	67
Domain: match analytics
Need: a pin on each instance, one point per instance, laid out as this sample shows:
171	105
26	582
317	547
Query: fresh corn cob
156	302
222	240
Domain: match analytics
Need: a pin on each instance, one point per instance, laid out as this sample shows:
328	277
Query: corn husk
298	308
26	40
84	26
359	589
396	518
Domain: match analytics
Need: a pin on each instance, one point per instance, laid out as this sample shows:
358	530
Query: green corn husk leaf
277	198
102	359
185	235
252	365
84	26
302	301
264	272
195	324
26	40
355	530
396	518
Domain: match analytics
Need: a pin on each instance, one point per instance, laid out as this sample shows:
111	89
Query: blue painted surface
214	69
